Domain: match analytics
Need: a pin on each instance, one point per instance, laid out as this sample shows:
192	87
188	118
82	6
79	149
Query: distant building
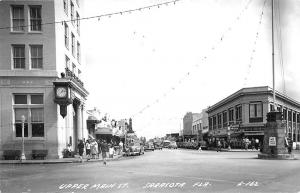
244	114
188	119
200	125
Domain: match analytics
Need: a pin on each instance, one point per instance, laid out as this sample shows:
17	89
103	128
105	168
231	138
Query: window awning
103	131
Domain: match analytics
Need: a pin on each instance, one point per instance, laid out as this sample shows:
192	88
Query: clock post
62	90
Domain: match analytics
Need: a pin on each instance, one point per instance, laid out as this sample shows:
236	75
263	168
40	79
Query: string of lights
108	15
202	60
254	45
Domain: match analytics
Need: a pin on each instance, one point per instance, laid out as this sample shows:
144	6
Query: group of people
94	148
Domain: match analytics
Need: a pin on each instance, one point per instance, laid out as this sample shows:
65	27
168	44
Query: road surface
159	171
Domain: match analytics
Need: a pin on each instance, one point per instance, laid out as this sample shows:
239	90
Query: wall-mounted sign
272	141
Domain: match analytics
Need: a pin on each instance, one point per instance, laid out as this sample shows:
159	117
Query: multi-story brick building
244	114
36	47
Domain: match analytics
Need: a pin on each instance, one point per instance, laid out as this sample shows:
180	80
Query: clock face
61	92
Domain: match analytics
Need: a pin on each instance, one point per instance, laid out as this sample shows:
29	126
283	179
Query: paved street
158	171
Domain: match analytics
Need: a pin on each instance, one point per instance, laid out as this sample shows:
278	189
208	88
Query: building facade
33	57
188	119
244	114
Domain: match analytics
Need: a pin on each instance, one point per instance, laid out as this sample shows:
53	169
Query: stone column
79	122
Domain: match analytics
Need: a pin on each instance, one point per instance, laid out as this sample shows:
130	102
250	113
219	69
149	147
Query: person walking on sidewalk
80	147
219	145
104	150
88	149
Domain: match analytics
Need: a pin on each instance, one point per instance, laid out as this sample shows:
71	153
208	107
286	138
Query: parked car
172	145
149	146
158	146
134	149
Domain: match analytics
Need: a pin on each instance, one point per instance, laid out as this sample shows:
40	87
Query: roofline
248	91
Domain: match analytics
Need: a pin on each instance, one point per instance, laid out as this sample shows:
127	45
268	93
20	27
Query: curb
55	161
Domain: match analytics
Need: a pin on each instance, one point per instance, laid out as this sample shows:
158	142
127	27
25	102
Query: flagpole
273	61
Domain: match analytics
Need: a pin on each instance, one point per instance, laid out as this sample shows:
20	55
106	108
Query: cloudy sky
155	65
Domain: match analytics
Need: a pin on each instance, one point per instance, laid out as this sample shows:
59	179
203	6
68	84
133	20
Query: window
35	18
72	13
210	122
214	122
284	114
294	117
31	107
67	62
255	112
219	120
66	6
238	113
231	112
78	52
225	119
298	118
18	56
18	18
78	22
66	35
79	73
290	115
73	68
36	53
73	44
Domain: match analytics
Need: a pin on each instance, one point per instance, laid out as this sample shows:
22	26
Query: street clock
62	92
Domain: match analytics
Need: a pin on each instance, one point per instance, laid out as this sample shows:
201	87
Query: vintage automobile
158	146
172	145
134	148
149	146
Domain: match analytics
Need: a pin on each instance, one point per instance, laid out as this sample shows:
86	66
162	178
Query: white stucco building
32	57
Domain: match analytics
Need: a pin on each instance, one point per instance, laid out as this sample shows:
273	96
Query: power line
102	15
254	44
204	58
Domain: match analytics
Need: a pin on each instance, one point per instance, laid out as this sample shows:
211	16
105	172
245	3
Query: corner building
32	58
244	115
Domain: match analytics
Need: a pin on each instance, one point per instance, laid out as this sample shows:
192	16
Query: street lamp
23	123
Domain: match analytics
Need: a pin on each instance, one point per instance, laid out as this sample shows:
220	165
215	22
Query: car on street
149	146
172	145
158	146
134	148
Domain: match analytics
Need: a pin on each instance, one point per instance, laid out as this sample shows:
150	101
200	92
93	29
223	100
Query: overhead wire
99	16
204	58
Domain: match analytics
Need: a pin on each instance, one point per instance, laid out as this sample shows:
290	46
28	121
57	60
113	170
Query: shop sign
272	141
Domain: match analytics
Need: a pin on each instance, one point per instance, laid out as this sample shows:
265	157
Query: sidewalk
57	161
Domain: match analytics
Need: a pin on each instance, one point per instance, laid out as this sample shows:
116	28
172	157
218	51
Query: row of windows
35	55
29	106
75	52
73	68
18	18
72	12
222	120
287	114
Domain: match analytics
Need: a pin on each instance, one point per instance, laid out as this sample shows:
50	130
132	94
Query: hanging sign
272	141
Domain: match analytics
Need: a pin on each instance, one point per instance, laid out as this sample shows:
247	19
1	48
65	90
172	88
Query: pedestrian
104	150
219	145
69	150
252	143
246	144
290	145
80	147
256	143
94	148
88	149
111	150
121	147
99	148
